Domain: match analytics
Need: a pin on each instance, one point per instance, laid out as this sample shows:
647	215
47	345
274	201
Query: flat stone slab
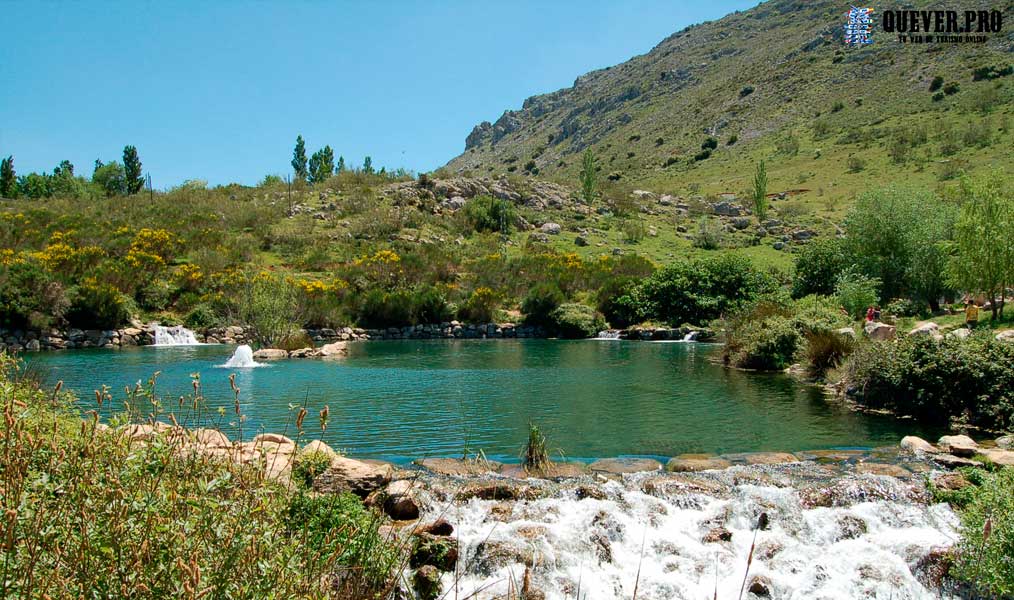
871	468
567	470
828	456
619	466
458	467
999	457
953	462
692	463
763	458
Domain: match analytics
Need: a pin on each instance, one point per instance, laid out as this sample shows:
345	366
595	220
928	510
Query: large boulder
210	438
917	445
879	331
551	228
270	354
334	350
1005	336
350	475
959	445
930	329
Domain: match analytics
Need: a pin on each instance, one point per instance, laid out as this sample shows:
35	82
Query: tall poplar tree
132	170
299	159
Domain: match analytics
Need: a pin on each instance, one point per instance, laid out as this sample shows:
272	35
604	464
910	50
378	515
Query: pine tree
8	179
299	159
132	170
760	192
341	164
588	176
321	165
368	166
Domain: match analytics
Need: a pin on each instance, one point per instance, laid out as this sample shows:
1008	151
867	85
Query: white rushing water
609	334
242	358
174	336
865	549
690	336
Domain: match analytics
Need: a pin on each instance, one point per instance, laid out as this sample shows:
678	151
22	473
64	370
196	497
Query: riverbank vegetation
88	511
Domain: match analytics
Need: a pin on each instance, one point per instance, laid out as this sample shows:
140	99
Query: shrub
201	316
937	82
614	302
746	91
294	340
827	349
577	321
308	465
708	235
856	164
905	307
952	88
702	155
698	290
97	305
817	269
937	380
540	302
709	144
983	556
268	304
380	309
485	213
857	292
937	97
29	296
732	140
429	305
480	307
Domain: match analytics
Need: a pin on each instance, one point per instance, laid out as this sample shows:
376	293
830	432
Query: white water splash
174	336
242	358
690	336
609	334
865	550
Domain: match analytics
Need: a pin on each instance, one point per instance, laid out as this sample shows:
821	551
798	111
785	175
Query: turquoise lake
403	400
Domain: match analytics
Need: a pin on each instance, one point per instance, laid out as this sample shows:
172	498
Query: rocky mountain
752	81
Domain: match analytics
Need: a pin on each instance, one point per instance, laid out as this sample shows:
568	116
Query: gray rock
551	228
958	445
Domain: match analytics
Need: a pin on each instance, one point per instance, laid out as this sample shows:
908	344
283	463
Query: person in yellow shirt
971	315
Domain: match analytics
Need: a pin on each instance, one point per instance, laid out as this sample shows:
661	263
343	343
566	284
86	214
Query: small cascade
609	334
174	336
242	358
691	336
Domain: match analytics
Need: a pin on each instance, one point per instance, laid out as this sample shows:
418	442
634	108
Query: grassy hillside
775	83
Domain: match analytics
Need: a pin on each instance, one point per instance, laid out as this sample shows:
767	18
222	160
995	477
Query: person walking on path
869	314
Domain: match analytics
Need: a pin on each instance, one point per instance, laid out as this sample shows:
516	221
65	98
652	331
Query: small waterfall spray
691	336
174	336
242	358
609	334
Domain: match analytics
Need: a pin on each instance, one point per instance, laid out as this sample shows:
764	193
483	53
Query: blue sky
219	90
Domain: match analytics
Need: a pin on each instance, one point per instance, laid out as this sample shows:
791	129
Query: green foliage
745	91
321	165
96	305
613	301
936	84
698	290
536	453
588	176
308	465
379	309
897	235
480	307
818	266
368	165
8	179
759	192
110	177
856	292
486	213
268	304
952	88
767	344
576	321
709	233
709	144
430	306
540	302
937	380
983	557
988	72
200	317
299	160
29	296
983	248
133	178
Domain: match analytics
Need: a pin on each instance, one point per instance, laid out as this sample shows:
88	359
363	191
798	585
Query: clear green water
411	399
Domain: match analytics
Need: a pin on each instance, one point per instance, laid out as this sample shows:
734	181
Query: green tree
34	185
321	165
299	159
133	178
63	184
588	176
110	178
818	266
983	247
368	165
8	178
760	192
341	165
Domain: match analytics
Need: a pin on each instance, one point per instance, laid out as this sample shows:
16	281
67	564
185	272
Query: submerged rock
882	469
620	466
426	582
688	463
270	354
440	552
458	467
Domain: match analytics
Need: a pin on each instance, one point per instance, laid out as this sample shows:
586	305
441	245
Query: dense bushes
379	309
576	321
98	306
540	302
29	297
486	213
818	266
937	380
983	556
697	290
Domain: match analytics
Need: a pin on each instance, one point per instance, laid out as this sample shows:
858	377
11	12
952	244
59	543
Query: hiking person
869	315
971	315
876	313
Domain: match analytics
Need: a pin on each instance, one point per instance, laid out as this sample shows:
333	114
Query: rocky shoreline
473	522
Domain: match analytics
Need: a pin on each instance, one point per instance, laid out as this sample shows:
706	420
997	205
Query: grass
536	453
90	512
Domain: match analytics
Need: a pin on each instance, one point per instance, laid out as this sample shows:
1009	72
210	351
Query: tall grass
536	454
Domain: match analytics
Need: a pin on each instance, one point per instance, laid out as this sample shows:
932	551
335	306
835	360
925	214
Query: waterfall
242	358
609	334
174	336
690	336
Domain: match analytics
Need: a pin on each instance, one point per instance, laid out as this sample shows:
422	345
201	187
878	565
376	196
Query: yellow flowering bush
189	277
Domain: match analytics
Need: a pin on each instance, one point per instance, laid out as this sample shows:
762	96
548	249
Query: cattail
324	412
299	418
172	418
98	397
987	529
